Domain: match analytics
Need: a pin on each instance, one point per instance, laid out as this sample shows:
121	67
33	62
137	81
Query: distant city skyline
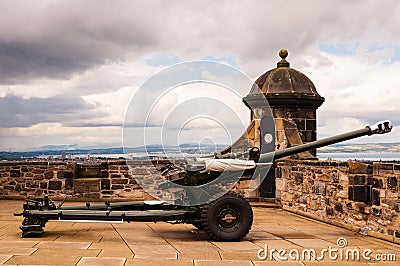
69	69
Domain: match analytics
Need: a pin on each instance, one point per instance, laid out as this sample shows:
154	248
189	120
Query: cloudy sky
68	69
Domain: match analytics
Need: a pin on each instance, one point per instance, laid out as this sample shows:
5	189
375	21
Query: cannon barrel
379	128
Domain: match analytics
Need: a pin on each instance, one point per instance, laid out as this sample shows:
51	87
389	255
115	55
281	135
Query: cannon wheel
228	218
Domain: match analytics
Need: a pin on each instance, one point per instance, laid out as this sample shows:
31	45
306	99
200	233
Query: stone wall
106	180
361	197
36	178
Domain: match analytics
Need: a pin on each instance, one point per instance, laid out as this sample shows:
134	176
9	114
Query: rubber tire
229	202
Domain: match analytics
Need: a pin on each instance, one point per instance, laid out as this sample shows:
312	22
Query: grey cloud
57	39
19	112
21	61
67	37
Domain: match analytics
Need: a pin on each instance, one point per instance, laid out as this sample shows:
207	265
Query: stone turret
294	101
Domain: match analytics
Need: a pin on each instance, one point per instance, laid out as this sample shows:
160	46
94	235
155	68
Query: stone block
88	171
55	185
69	183
60	174
301	123
43	185
279	124
343	178
329	211
391	183
324	177
117	187
386	166
38	192
360	193
68	174
285	173
120	181
15	173
38	177
24	169
338	207
280	136
280	184
357	180
104	174
104	165
311	124
320	188
376	197
377	182
342	194
38	171
358	168
105	184
87	185
349	205
335	178
306	135
48	175
375	168
124	168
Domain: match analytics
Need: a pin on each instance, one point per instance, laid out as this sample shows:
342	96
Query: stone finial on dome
283	63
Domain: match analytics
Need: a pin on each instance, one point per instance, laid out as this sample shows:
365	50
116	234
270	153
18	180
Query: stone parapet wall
36	178
362	196
106	180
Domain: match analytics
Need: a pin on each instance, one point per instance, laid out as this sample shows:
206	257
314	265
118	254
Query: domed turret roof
288	86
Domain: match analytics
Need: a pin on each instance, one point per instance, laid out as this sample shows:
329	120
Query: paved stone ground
165	244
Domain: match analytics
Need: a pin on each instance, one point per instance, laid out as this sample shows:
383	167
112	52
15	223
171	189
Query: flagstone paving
284	235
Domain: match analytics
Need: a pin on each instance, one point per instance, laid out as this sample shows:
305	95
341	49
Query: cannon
226	218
